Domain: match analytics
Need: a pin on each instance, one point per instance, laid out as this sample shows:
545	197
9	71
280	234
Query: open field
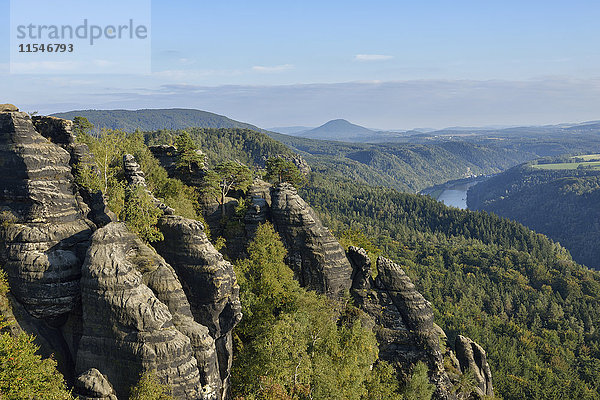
589	157
592	164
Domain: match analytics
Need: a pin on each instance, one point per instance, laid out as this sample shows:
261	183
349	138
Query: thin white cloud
271	69
372	57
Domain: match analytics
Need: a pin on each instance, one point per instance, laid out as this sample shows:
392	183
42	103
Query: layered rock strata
120	313
403	319
59	131
136	318
318	260
208	281
45	232
472	357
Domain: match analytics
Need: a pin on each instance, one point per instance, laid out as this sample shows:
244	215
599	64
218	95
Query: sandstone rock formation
136	177
403	319
92	385
471	357
59	132
318	260
121	312
136	318
258	212
208	281
45	231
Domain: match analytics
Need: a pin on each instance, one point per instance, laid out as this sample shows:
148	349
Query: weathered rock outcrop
208	280
121	312
258	212
59	132
136	317
403	318
92	385
317	259
45	232
471	357
136	177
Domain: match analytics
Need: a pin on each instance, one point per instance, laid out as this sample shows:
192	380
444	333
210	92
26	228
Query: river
454	194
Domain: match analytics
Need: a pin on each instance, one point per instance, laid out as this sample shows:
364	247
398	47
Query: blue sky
383	64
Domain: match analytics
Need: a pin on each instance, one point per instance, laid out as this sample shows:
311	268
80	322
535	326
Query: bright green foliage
141	214
418	387
86	176
150	388
382	383
465	385
108	150
24	374
187	153
356	237
233	176
292	343
226	177
81	126
281	170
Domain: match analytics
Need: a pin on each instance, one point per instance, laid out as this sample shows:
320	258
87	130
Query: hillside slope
153	119
563	204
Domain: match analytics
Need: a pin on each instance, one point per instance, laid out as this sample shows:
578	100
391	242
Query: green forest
561	203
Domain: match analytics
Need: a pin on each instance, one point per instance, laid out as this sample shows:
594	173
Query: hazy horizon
383	64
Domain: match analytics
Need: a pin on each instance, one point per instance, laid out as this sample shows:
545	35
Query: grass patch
592	164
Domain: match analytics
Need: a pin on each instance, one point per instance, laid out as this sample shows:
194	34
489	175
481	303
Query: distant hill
339	130
154	119
291	130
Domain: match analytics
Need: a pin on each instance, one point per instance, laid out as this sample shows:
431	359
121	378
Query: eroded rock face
403	319
317	259
208	281
136	319
136	177
59	132
92	385
45	232
471	357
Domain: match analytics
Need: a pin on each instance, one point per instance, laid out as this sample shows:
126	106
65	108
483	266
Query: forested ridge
561	203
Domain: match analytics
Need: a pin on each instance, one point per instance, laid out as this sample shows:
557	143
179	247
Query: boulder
92	385
8	108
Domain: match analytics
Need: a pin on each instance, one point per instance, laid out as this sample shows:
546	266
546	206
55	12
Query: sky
381	64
